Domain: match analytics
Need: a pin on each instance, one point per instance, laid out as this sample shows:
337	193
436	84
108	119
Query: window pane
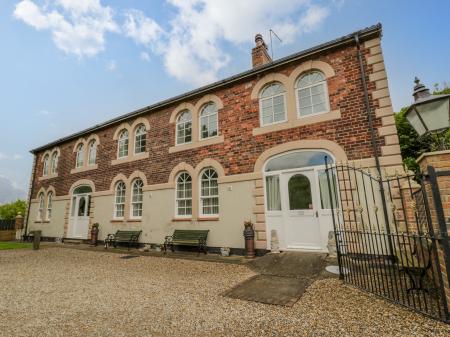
306	111
319	108
273	193
299	192
297	160
325	198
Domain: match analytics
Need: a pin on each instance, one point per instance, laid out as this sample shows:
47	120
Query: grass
14	245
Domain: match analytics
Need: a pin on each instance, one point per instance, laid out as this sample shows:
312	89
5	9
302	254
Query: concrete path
282	279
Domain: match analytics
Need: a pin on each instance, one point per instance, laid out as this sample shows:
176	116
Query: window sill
48	176
324	117
181	219
41	221
130	158
117	220
134	220
209	219
84	169
197	144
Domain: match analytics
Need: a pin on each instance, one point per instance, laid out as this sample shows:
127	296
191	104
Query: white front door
79	217
301	210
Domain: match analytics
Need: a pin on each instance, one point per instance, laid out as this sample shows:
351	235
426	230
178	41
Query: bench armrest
168	239
110	237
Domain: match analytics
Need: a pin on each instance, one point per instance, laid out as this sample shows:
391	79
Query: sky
66	65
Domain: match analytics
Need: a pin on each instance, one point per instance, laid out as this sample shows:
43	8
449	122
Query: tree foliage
411	145
9	211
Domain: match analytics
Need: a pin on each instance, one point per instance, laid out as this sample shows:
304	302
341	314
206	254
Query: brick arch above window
307	66
179	168
209	163
180	108
269	78
82	182
121	127
93	137
305	144
116	179
137	175
138	121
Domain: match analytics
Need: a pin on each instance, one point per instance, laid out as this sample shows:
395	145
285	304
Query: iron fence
386	242
7	225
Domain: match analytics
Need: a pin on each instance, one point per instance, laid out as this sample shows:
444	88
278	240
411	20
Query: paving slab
270	289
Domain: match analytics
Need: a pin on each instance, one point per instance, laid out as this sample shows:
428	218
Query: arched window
45	169
297	159
184	127
209	193
54	162
40	214
140	139
184	195
49	205
209	122
312	94
80	155
272	104
136	198
119	204
92	154
123	144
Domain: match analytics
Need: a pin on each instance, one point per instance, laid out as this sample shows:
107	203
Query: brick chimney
260	55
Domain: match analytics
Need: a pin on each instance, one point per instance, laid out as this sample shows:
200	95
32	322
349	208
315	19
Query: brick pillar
440	161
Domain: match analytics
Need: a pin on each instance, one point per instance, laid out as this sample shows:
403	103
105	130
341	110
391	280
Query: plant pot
225	251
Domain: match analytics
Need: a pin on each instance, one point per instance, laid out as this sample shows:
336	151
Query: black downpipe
33	171
374	142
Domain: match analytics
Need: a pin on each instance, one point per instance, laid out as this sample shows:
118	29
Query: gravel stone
65	292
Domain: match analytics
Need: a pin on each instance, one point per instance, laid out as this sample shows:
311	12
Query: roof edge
363	34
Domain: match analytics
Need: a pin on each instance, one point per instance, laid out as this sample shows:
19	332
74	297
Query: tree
411	145
9	211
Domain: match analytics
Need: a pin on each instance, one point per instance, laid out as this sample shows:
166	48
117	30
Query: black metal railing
386	242
7	225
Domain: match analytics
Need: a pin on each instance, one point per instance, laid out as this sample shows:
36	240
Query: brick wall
239	116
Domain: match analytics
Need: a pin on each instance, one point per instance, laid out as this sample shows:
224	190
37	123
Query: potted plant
94	233
225	251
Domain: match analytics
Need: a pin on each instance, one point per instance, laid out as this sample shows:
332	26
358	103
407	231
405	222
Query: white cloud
7	157
194	52
111	65
141	28
9	191
44	112
17	156
145	56
77	26
3	156
191	43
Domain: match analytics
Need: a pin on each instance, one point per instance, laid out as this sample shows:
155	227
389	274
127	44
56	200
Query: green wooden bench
128	237
414	258
187	237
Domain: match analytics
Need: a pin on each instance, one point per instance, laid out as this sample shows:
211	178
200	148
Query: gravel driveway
64	292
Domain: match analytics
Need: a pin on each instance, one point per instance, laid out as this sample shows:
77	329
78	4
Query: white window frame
46	165
136	135
54	163
122	201
92	152
79	160
40	214
49	206
261	120
177	199
139	202
122	141
202	198
208	116
178	123
327	98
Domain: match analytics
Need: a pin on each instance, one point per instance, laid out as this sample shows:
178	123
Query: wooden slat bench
128	237
414	259
187	237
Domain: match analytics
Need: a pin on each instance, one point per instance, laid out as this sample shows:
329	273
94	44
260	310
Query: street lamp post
429	113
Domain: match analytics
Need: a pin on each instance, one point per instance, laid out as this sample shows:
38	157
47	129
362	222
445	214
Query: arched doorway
79	212
297	199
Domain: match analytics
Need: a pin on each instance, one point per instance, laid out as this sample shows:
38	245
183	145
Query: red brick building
249	147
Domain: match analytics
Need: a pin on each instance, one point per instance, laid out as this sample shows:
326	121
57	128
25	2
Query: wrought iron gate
386	242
